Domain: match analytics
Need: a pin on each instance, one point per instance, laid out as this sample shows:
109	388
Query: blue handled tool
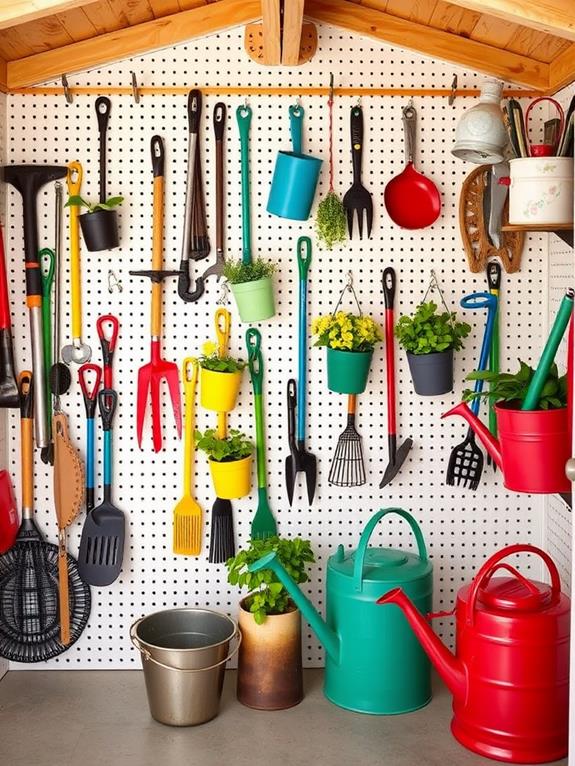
90	394
299	458
466	460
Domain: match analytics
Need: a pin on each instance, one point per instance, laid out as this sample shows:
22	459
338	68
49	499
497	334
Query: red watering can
510	675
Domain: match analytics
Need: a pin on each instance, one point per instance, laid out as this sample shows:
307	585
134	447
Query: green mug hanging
349	340
295	175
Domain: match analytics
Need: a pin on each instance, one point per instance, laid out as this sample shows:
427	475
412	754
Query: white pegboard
558	518
461	527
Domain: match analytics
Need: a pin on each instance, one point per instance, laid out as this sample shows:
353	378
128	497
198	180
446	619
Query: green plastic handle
47	259
260	441
531	400
255	359
296	114
368	531
244	119
303	256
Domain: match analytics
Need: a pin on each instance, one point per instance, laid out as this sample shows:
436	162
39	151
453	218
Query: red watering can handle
367	533
492	564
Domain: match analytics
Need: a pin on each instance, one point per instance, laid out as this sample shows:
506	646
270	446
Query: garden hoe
396	456
151	375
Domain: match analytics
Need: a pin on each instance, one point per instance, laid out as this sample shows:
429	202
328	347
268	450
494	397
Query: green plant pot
255	300
347	371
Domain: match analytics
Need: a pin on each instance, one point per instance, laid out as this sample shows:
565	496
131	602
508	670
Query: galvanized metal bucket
184	654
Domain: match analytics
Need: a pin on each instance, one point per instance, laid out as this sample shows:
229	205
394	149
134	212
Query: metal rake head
347	467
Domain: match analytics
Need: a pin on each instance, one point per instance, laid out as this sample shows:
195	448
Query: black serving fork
357	198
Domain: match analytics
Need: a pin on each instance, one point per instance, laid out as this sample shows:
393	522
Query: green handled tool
244	118
533	394
494	284
47	261
263	524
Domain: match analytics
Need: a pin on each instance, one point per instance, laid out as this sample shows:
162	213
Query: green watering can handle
303	256
368	531
244	118
296	114
255	359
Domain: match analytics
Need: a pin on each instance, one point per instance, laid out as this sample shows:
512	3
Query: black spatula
102	543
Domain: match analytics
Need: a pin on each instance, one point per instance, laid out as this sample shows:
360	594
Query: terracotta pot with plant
100	224
230	461
350	340
220	379
252	285
269	663
430	338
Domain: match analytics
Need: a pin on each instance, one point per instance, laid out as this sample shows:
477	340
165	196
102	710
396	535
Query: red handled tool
108	328
90	394
396	456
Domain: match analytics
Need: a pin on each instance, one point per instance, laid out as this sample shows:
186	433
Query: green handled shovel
263	523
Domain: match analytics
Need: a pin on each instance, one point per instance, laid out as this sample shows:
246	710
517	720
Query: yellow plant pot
219	390
232	480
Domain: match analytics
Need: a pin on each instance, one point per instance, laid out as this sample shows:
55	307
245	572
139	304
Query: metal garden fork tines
357	199
151	375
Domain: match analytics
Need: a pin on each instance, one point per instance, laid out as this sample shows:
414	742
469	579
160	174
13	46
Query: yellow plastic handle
223	320
190	377
74	185
157	254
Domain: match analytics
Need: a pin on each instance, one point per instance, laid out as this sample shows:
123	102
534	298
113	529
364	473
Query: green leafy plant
267	595
238	272
508	387
210	360
235	446
346	332
330	221
428	332
76	201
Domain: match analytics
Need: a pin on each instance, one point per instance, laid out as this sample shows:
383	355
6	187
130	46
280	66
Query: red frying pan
411	199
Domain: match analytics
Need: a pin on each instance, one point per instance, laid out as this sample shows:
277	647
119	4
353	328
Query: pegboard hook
67	91
224	294
135	88
348	287
113	282
453	94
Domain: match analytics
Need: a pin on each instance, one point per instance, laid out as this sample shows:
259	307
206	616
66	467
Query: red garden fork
151	375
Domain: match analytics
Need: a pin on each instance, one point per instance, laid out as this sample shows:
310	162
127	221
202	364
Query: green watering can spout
328	639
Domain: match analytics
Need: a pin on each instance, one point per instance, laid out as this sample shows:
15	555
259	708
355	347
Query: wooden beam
556	17
132	41
431	42
16	12
562	70
3	77
271	30
291	37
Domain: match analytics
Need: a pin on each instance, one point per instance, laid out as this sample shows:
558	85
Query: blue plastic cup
295	176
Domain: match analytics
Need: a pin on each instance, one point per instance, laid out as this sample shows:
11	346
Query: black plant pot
100	230
432	374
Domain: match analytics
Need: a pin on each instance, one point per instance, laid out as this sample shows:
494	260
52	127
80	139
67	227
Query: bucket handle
368	531
296	114
492	563
148	657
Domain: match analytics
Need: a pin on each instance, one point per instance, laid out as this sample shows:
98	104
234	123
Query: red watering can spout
447	665
483	434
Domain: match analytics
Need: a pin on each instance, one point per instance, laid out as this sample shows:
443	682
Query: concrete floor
101	718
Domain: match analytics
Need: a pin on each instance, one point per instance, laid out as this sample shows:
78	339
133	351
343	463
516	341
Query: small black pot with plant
430	338
100	224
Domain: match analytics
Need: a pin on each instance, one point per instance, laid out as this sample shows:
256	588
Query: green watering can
374	663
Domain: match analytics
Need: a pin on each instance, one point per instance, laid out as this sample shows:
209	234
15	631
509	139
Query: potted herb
100	224
513	387
220	379
269	663
330	221
350	340
230	461
252	286
430	338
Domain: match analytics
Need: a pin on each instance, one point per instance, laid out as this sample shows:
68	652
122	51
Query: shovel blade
394	466
290	474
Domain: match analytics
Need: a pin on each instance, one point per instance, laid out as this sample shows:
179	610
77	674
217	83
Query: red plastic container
9	521
535	447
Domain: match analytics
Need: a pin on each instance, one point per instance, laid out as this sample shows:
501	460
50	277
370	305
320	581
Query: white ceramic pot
541	190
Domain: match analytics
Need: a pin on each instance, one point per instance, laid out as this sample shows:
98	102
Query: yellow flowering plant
210	360
346	332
